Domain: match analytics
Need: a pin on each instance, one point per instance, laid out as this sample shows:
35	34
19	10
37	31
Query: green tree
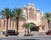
17	12
6	13
28	26
48	17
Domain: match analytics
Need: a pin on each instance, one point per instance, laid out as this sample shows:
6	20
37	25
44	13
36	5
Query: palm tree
28	26
6	13
48	17
17	14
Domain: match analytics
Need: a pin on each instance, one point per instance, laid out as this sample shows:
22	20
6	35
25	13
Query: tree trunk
48	25
17	25
25	31
7	28
28	31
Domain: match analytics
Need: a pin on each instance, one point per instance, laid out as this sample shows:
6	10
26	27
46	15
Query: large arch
34	28
32	21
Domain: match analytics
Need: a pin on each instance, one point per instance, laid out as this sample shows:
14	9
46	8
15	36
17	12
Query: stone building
32	15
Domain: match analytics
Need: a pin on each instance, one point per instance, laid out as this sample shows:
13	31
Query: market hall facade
32	15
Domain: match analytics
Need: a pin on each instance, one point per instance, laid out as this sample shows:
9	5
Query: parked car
11	32
49	32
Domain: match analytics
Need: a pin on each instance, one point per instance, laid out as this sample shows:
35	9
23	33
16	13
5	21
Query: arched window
38	17
31	13
12	23
5	23
0	23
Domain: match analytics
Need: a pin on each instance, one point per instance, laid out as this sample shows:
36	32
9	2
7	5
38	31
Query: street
26	38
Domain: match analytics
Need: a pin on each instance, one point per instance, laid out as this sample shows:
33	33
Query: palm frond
6	12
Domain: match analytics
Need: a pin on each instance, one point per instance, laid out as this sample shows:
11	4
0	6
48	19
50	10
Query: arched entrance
30	27
35	24
34	28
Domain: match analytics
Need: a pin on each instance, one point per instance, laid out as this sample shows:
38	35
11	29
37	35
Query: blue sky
43	5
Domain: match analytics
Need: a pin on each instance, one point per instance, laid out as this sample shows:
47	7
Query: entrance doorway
34	29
